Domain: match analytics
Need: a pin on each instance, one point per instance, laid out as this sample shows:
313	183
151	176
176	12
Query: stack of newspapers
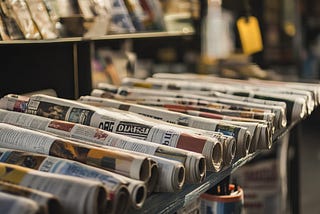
107	152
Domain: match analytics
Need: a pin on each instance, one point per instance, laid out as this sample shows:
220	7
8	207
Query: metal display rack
172	202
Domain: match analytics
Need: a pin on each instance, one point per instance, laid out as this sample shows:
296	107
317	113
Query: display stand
172	202
293	172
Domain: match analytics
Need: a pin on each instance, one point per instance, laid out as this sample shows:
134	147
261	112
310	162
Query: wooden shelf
106	37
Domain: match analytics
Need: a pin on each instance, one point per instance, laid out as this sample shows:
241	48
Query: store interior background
291	37
294	54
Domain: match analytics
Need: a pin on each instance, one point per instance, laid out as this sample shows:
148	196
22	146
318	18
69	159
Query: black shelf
64	64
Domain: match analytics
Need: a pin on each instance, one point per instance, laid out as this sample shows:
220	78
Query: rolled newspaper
171	117
262	134
11	204
240	133
161	114
265	126
126	125
237	87
228	88
130	165
180	97
208	113
197	105
307	95
298	106
173	170
191	121
159	167
180	137
174	175
76	195
233	104
193	162
47	202
195	77
313	88
105	93
268	121
115	186
229	148
200	88
175	118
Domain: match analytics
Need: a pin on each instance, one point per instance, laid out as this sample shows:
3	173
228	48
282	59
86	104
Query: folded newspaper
242	136
12	204
117	187
201	106
76	195
159	114
301	97
144	96
240	88
264	135
47	202
194	163
210	99
120	123
130	165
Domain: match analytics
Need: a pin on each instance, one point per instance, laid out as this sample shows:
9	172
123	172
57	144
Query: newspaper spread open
76	195
193	162
11	204
122	124
130	165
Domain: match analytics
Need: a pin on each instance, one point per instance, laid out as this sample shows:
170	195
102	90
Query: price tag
250	34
